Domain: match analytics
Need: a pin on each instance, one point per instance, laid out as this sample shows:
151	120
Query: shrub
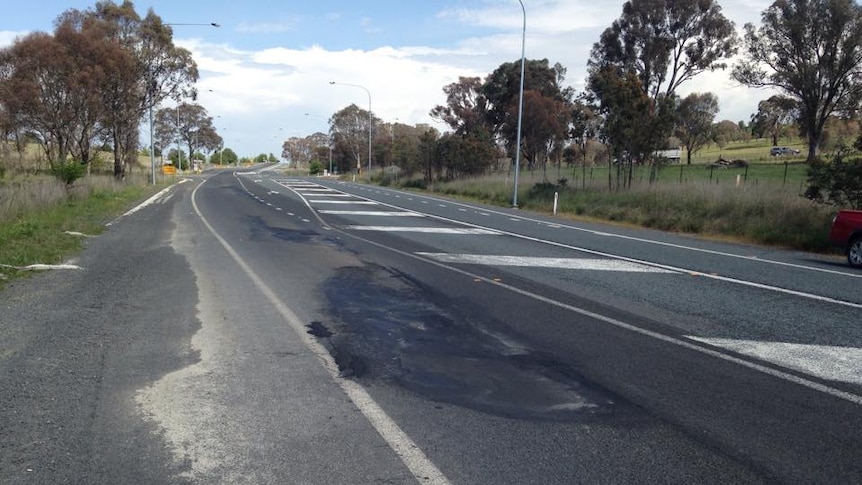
69	172
840	180
315	168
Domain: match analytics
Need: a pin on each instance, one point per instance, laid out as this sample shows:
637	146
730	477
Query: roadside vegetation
761	212
45	220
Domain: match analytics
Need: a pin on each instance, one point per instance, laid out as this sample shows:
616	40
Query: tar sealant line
407	450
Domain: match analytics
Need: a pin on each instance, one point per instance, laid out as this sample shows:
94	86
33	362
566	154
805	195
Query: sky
265	72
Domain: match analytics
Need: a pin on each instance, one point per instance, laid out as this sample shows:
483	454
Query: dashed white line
428	230
373	213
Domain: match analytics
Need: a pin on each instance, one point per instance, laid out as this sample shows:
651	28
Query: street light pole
370	119
152	150
520	108
179	149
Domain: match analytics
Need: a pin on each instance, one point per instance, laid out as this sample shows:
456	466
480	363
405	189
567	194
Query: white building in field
673	155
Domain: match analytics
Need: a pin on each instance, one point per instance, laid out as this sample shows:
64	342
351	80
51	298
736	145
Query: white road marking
561	263
429	230
41	267
372	213
843	364
356	202
152	200
679	342
752	284
667	244
337	194
406	449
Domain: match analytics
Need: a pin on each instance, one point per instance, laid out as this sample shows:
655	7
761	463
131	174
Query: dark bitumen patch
261	230
318	330
388	327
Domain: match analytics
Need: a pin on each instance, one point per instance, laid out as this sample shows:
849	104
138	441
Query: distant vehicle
846	233
778	151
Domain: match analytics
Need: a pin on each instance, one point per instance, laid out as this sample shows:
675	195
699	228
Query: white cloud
266	27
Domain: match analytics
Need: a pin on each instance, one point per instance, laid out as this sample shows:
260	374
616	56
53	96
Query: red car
846	233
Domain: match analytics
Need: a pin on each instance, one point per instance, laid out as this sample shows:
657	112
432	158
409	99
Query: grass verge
39	234
770	212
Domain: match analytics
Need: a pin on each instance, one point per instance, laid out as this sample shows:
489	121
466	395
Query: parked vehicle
846	233
778	151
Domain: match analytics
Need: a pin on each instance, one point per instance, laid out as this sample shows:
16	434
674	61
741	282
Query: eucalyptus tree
50	85
654	47
349	129
695	116
187	125
810	51
154	70
773	116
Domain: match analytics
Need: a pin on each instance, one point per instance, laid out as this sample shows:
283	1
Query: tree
154	70
584	126
773	115
51	86
654	47
349	130
724	132
809	50
667	42
695	115
465	109
501	91
188	124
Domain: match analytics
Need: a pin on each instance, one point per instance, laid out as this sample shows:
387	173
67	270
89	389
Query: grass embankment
759	205
37	213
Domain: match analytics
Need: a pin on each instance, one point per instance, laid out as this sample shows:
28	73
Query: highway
250	327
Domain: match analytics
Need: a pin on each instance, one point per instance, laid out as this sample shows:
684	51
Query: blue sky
270	62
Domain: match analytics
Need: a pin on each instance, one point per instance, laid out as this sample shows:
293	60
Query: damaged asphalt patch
387	327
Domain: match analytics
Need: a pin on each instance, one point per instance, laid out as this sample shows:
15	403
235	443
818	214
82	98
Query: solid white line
430	230
372	213
535	262
41	267
411	455
147	202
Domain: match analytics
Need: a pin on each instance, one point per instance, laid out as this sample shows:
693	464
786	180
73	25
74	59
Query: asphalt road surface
248	327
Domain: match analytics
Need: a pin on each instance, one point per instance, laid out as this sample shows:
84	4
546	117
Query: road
248	327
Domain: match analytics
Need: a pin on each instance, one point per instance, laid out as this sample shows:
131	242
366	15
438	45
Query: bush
315	168
68	172
840	181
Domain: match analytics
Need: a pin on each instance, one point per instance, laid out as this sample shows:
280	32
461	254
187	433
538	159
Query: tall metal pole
370	119
520	108
179	149
152	150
